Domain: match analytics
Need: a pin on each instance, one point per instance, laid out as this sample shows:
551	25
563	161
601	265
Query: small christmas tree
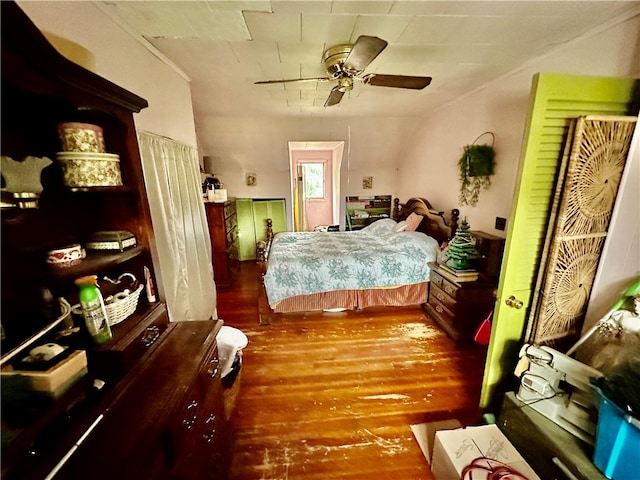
461	251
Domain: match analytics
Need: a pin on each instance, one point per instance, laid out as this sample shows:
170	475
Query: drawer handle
440	296
151	334
213	367
439	309
190	421
208	437
449	290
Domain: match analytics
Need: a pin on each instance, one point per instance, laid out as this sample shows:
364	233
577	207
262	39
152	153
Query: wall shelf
363	211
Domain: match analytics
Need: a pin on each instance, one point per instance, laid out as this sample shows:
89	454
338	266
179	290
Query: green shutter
556	100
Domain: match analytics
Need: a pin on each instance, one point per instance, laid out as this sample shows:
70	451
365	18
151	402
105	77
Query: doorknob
514	302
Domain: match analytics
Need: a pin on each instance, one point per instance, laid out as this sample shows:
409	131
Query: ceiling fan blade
363	52
397	81
292	80
334	97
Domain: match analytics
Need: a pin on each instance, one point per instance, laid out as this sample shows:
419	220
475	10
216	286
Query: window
313	180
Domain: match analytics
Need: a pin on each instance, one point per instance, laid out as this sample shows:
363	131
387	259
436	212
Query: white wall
501	107
124	61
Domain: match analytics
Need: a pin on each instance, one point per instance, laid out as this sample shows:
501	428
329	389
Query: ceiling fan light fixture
333	59
345	84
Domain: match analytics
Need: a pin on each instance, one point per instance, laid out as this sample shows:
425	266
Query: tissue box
53	382
455	449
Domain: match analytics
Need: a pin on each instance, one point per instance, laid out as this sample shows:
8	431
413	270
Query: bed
381	264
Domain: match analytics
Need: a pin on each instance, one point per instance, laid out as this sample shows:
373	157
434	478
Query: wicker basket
124	307
119	310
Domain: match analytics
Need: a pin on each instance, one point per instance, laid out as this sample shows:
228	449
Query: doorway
315	183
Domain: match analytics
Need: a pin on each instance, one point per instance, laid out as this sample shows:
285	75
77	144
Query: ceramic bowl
81	137
66	256
86	169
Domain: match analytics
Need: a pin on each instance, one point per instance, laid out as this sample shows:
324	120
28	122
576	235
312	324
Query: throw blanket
375	257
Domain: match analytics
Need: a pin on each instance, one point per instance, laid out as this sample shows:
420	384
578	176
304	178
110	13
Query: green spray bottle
93	309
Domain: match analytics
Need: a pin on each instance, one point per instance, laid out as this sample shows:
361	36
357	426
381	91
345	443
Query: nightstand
459	307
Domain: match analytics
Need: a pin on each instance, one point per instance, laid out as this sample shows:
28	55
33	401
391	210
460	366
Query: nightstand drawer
449	288
443	297
442	311
436	279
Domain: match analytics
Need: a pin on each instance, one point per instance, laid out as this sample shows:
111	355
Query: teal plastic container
617	449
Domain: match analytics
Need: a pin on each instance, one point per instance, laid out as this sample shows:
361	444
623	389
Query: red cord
494	469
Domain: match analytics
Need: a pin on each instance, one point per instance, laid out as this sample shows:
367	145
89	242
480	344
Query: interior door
555	101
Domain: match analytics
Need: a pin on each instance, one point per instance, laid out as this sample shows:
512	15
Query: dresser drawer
444	314
436	279
232	236
114	359
442	297
231	222
448	287
229	209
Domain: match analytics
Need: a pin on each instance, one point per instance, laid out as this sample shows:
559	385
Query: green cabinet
252	218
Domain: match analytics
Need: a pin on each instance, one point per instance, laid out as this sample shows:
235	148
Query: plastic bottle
95	314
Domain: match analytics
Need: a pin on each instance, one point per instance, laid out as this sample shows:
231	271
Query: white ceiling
226	46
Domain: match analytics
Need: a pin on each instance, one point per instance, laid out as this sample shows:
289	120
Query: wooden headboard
436	224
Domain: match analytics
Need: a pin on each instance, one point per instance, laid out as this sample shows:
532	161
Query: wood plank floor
333	395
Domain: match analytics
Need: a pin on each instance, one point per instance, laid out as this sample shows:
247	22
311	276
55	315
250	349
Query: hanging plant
476	167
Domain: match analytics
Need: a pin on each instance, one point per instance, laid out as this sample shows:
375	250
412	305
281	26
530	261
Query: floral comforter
302	263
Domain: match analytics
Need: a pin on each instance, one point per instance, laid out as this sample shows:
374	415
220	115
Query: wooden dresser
223	229
458	307
164	419
167	420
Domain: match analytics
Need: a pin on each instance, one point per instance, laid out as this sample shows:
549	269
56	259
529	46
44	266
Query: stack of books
458	275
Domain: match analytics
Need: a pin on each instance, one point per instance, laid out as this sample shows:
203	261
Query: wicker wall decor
585	195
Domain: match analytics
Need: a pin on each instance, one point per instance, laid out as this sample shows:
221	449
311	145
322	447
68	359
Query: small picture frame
367	183
251	179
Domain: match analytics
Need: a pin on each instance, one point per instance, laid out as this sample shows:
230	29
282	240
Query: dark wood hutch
145	409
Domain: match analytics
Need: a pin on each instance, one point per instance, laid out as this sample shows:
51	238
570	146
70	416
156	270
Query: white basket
119	310
123	307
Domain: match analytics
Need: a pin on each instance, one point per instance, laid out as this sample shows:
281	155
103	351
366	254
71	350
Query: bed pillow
413	221
380	227
400	227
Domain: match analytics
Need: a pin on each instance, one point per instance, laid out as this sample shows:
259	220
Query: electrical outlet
501	223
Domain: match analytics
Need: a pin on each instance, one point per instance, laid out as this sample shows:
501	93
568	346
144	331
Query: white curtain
172	177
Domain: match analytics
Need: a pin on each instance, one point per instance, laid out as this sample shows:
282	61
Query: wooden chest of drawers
166	418
458	307
223	229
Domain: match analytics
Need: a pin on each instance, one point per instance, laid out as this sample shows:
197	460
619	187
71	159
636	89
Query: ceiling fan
346	63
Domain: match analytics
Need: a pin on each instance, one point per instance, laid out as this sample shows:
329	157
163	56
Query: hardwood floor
333	395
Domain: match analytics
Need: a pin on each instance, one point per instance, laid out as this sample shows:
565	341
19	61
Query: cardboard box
455	449
55	381
425	434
